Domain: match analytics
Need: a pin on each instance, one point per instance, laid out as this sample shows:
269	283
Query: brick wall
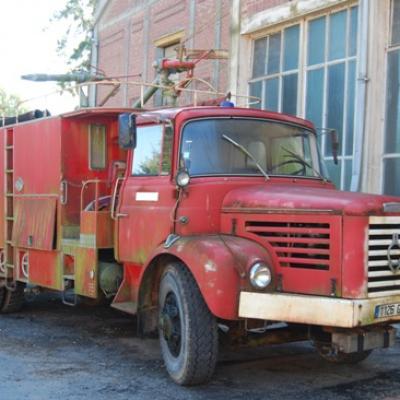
128	29
251	7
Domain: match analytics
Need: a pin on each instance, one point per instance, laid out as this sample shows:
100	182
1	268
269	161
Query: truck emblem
394	265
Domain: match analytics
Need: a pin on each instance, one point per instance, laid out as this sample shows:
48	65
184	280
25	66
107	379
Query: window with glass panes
276	70
391	158
309	69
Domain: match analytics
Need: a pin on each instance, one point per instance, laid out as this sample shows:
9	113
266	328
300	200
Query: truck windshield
278	148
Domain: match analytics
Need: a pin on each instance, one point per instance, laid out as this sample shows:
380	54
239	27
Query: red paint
43	269
34	225
217	263
301	197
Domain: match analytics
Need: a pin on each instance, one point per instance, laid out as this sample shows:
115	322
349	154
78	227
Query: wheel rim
171	324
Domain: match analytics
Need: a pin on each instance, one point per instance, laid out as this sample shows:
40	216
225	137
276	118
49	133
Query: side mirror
335	145
127	131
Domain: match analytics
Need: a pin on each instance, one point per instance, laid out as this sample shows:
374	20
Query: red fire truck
209	223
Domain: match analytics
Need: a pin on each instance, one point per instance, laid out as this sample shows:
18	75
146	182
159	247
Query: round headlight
260	275
182	179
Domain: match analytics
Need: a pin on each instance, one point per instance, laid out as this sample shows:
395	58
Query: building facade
335	62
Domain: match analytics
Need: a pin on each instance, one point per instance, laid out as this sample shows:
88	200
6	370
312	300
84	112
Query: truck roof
146	116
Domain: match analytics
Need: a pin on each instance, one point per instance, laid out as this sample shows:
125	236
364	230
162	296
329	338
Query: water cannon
78	77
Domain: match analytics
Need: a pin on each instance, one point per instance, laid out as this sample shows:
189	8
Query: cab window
152	155
97	147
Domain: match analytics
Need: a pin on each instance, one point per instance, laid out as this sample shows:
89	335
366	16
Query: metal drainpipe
361	93
94	62
234	47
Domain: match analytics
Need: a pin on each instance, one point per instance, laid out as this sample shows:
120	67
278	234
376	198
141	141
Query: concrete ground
51	351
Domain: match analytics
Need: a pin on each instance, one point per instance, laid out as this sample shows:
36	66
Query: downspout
94	60
234	47
361	93
101	6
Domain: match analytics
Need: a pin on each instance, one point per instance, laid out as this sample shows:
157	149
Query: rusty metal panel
37	156
86	272
305	249
2	132
97	226
45	269
35	220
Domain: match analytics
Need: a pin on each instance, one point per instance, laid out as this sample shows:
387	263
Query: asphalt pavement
52	351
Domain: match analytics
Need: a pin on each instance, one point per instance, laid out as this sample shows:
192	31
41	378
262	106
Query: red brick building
335	62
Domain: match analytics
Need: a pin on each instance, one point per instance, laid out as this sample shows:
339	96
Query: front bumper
314	310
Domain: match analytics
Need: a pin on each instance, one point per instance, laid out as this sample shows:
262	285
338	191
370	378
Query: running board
129	307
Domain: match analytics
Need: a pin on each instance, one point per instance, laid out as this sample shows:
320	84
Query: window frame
390	48
304	68
161	173
103	130
314	152
263	78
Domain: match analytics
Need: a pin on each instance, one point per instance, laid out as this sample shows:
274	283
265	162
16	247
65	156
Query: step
9	265
10	218
9	242
9	147
69	277
9	171
129	307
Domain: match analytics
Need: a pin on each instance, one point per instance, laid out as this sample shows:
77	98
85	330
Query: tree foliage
10	104
76	43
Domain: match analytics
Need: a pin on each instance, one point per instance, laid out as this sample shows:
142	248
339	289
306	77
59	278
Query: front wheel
188	331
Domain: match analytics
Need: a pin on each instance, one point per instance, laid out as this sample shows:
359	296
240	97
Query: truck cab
239	201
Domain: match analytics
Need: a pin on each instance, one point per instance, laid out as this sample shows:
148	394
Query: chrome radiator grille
383	256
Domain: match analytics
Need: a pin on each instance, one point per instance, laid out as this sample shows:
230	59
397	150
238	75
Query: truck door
147	196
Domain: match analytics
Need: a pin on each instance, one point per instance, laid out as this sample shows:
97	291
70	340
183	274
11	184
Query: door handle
121	215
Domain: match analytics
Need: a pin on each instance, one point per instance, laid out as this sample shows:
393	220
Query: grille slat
373	253
382	234
381	274
384	284
297	244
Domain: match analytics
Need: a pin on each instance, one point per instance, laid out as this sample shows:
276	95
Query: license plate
387	310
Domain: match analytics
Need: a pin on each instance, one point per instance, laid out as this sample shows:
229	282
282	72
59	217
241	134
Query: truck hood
289	198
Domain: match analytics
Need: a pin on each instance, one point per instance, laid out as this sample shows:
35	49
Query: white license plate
387	310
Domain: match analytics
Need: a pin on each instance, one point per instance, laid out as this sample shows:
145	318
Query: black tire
188	331
13	299
338	357
2	296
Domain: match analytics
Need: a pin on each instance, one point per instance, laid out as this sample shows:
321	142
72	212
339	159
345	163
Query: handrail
114	216
113	82
85	184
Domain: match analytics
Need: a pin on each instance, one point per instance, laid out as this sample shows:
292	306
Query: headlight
260	275
182	179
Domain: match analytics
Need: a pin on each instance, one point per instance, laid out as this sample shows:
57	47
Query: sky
27	47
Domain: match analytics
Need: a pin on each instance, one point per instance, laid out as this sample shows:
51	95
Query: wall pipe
361	93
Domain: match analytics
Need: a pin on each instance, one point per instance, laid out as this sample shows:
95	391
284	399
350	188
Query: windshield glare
279	148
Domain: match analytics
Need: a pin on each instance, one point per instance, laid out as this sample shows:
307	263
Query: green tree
10	104
76	44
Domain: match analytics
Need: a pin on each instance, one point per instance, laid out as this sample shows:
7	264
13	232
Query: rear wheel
2	295
13	300
338	357
188	331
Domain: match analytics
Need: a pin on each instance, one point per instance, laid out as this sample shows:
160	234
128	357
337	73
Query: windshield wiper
243	149
302	160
